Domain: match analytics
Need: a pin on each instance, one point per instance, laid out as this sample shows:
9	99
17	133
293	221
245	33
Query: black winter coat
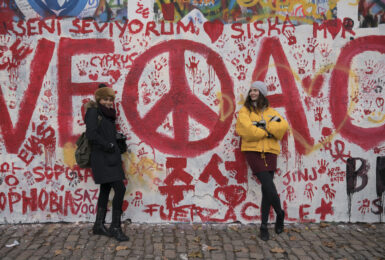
106	164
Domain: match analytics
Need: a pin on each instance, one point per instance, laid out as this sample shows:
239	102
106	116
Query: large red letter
289	98
14	136
66	88
339	100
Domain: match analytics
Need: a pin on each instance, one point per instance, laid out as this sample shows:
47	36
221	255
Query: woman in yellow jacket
261	127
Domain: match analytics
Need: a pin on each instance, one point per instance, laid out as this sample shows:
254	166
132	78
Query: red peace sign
179	100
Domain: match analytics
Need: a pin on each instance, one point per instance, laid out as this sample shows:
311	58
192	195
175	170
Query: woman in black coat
106	162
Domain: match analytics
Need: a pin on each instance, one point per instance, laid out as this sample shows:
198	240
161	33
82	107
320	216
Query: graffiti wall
181	71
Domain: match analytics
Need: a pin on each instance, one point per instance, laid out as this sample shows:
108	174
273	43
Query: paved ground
189	241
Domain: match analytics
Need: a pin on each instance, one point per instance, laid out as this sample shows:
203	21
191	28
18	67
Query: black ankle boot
99	228
264	232
279	222
115	228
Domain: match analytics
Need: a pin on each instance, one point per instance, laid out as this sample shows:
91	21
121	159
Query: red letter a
289	98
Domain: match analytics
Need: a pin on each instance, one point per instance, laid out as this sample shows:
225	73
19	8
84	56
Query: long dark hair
262	102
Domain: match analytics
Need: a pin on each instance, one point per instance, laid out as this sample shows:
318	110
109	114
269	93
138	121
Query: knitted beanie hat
103	92
261	86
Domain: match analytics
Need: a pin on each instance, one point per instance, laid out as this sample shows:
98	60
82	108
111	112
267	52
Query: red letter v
14	136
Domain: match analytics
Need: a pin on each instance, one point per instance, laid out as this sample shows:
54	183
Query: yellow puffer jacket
255	138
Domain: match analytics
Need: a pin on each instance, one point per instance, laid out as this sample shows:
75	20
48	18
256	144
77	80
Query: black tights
269	195
117	201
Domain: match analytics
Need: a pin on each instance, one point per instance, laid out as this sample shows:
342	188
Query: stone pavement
194	241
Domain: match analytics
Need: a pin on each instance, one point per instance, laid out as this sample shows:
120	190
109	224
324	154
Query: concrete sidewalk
194	241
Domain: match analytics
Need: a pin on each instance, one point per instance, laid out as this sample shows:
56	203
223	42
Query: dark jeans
269	195
117	201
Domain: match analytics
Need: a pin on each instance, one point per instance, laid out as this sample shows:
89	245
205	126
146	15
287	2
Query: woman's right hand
110	148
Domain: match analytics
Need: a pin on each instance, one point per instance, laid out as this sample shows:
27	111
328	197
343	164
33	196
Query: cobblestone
189	241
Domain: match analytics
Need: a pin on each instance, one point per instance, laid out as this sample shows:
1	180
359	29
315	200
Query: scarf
107	112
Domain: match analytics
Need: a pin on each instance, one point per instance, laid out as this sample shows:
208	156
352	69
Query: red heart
93	76
334	26
313	86
115	74
213	29
232	195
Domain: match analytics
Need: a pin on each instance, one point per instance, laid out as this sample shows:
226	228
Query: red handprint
13	81
11	58
198	77
158	85
105	68
193	66
222	41
378	150
291	38
240	43
312	45
369	86
195	130
248	58
297	52
301	66
5	54
290	193
242	72
126	42
364	207
235	61
369	67
167	125
323	166
208	88
160	64
137	201
154	78
318	114
4	41
355	96
82	66
19	52
271	83
309	191
330	193
325	50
